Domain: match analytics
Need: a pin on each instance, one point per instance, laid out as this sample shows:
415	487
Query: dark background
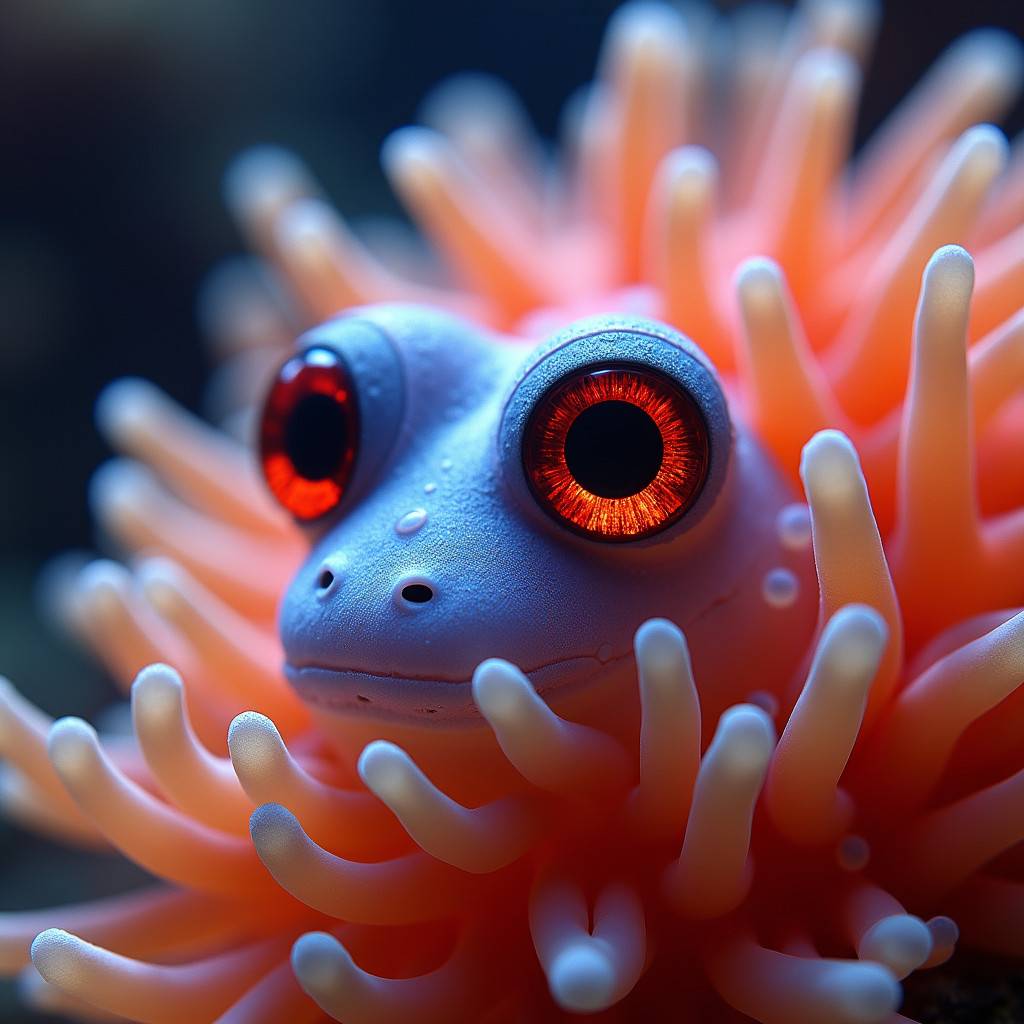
117	118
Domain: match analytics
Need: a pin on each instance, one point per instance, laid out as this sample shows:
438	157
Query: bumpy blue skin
442	404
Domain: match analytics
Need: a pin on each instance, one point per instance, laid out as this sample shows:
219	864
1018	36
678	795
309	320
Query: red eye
616	453
309	434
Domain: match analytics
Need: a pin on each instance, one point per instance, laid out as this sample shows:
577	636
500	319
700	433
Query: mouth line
334	687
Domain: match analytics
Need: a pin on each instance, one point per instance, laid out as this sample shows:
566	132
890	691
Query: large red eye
617	452
309	434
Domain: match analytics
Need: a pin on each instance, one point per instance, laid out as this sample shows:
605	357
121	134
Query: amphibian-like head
467	497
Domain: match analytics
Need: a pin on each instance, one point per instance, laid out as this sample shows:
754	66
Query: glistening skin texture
761	765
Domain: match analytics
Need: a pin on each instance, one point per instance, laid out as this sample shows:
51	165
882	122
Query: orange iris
309	433
616	453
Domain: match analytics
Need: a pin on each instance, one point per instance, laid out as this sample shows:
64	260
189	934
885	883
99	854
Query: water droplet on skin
779	588
853	853
794	526
604	653
429	488
411	522
446	464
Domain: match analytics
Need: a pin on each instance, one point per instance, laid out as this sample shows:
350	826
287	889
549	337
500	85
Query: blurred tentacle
161	839
204	786
276	997
789	397
870	358
240	660
977	77
214	473
680	258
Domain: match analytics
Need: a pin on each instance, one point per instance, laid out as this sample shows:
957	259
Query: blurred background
118	118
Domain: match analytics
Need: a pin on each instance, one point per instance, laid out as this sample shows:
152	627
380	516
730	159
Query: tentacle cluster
792	862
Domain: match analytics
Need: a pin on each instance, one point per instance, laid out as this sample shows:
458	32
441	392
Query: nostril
417	593
325	579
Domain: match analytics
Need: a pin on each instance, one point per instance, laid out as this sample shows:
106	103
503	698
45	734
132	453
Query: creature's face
468	498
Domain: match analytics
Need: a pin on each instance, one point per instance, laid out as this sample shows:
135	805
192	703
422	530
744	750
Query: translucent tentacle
881	930
848	553
149	993
713	873
240	660
204	786
934	552
588	970
1000	283
802	791
778	989
404	890
480	239
202	464
976	78
479	839
276	997
548	751
670	728
134	508
154	835
679	250
917	737
803	161
871	359
788	395
345	992
649	69
349	821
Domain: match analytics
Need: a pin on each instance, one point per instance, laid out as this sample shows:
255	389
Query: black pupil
613	449
316	437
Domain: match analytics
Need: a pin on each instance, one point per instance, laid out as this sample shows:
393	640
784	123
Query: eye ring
309	433
616	452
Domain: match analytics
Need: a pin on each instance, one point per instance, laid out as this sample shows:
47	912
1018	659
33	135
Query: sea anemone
649	850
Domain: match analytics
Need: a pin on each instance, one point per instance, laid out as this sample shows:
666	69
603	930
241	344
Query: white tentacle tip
582	979
864	993
261	178
855	638
319	962
413	154
52	955
125	409
253	743
165	586
276	833
501	691
901	942
661	647
158	692
949	278
747	739
386	769
119	491
72	745
830	468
